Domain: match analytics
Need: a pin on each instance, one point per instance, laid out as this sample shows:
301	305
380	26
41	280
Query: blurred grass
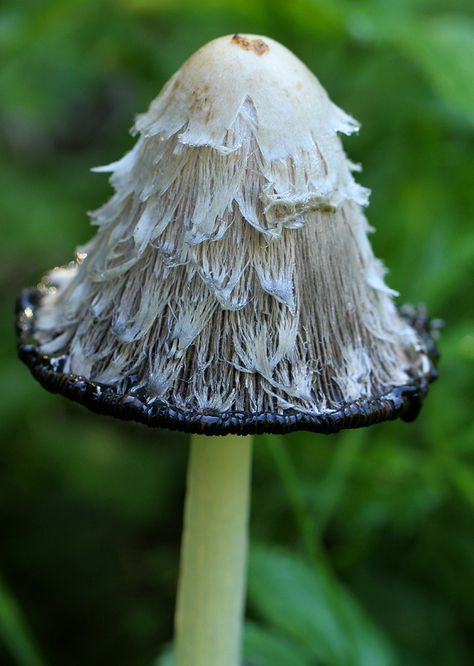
91	509
14	632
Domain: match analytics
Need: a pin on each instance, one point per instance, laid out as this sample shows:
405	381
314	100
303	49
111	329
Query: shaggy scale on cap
231	286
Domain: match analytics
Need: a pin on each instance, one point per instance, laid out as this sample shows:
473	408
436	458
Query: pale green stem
212	581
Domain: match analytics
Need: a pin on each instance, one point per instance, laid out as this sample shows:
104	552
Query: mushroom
230	289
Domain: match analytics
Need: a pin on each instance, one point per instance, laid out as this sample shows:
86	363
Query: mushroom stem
211	589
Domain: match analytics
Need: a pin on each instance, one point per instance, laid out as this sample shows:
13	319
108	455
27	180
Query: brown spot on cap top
258	46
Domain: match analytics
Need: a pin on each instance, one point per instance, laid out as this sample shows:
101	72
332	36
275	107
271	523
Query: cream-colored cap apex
202	100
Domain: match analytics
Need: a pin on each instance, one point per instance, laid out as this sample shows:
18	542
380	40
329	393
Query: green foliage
305	603
14	632
444	48
380	519
264	647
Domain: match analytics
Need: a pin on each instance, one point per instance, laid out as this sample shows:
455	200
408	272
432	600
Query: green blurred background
363	543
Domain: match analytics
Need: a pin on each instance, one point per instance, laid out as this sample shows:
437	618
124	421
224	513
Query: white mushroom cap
294	113
203	99
232	269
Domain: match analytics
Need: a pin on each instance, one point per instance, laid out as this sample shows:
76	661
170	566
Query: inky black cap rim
400	402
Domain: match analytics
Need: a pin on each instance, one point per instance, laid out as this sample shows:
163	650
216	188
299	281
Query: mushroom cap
231	286
206	94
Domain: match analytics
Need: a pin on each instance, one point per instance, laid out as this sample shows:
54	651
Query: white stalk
211	589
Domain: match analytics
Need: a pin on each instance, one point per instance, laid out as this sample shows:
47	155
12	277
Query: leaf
444	48
15	633
266	648
308	605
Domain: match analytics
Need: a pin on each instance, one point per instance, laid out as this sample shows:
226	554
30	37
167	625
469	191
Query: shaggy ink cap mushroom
231	286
